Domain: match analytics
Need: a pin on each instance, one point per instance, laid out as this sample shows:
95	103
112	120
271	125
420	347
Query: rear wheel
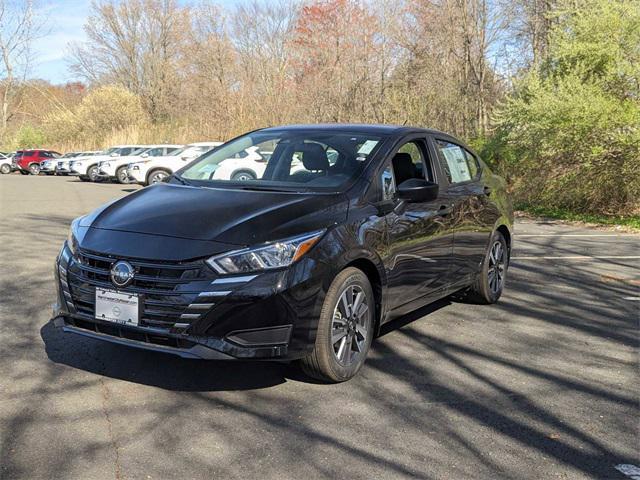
158	176
345	329
34	169
24	173
122	176
489	282
4	169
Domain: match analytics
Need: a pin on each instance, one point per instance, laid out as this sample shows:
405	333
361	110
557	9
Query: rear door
473	215
420	239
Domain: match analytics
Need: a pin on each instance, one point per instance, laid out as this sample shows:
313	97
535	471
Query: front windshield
307	160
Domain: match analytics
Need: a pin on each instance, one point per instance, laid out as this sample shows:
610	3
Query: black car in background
348	227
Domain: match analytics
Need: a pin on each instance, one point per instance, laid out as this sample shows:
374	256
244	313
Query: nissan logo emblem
122	273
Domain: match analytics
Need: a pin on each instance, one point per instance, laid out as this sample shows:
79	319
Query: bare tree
16	35
136	44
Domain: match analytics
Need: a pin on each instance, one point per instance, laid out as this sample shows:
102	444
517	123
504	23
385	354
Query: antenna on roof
405	122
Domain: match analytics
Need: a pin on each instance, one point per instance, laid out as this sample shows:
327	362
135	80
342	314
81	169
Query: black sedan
346	228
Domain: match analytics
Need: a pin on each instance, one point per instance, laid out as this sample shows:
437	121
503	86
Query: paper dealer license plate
112	306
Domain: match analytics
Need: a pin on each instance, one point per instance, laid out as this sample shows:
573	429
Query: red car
28	161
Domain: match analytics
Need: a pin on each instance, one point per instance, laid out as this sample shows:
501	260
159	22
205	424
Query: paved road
542	385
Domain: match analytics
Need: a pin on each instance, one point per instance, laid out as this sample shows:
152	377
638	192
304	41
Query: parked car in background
304	263
116	168
5	164
87	167
62	167
155	169
29	161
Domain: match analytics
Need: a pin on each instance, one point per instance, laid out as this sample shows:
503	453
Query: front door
473	214
420	241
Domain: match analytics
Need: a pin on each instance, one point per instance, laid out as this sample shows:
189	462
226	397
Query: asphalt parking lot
542	385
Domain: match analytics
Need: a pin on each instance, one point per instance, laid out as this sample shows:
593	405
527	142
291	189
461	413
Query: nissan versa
301	264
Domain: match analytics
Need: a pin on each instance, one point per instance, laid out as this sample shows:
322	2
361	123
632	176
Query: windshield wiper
262	189
181	180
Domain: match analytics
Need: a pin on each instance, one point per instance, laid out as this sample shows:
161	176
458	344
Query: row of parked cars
143	164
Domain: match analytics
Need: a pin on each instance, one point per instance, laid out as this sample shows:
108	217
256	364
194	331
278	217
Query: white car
87	167
249	164
116	168
62	168
154	170
5	164
48	166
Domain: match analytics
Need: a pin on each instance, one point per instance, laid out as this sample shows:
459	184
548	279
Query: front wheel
243	176
157	177
489	282
122	176
345	329
4	169
92	173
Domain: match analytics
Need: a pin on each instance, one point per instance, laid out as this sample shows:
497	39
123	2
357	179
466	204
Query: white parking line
580	257
629	470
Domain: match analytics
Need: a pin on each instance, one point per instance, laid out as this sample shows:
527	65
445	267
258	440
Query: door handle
487	191
444	210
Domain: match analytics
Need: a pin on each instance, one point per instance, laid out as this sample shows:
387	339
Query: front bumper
108	172
268	316
47	168
77	169
137	175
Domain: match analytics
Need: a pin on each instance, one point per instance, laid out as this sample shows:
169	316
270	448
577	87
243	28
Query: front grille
166	289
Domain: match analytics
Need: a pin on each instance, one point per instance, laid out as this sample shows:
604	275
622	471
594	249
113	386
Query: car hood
231	216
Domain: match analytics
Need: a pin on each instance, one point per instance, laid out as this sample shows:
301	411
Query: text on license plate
112	306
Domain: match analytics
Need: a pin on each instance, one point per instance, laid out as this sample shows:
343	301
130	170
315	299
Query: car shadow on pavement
158	369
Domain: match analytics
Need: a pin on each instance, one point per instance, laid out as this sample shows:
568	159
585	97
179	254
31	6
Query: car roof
204	144
375	129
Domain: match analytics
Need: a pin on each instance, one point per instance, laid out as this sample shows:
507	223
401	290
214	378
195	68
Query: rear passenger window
459	165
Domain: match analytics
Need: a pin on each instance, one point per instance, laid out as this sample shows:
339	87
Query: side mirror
144	155
417	190
114	154
185	158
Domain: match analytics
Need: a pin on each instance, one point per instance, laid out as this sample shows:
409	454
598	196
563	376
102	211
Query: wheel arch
369	268
506	233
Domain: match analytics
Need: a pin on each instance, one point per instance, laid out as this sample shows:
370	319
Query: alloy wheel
34	169
496	267
122	176
93	174
158	177
350	325
4	169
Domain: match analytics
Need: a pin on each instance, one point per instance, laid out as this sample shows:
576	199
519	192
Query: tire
121	175
330	360
34	169
24	173
92	173
243	176
157	176
489	283
5	169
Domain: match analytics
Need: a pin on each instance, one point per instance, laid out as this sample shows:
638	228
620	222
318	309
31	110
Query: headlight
268	257
72	242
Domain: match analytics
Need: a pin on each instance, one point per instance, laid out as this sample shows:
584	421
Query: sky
63	21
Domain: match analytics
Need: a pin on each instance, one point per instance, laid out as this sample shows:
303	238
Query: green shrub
570	133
